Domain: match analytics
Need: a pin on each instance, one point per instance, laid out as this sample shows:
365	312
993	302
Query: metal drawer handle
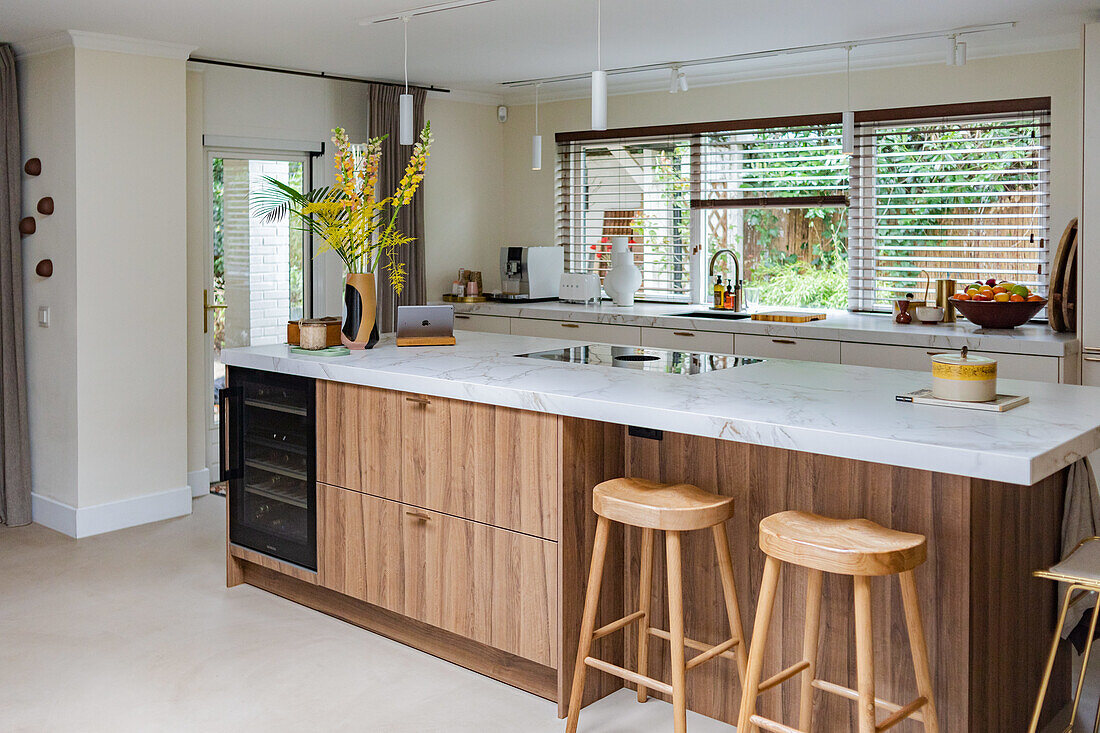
459	317
419	400
569	325
418	515
783	341
1092	358
683	333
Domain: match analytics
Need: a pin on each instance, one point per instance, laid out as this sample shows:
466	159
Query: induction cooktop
643	359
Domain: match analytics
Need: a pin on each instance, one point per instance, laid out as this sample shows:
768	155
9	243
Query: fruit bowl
992	314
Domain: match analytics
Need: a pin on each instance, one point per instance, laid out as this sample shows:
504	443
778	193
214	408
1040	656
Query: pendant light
536	139
405	102
848	117
599	79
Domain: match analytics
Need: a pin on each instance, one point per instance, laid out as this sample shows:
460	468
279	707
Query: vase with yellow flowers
350	220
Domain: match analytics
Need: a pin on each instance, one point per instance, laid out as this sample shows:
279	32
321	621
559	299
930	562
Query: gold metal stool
1081	569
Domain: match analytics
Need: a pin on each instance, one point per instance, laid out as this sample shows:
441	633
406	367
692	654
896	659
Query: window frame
693	132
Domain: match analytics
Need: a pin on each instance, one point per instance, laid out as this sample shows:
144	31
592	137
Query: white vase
624	278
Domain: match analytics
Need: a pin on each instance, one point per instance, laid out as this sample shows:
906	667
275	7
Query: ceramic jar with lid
964	377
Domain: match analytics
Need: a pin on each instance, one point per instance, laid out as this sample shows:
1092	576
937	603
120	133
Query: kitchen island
453	512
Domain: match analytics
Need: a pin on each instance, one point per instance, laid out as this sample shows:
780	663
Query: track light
848	117
960	54
405	101
599	79
536	139
677	80
956	51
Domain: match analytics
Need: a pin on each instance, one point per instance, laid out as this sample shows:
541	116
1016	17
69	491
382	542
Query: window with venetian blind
961	194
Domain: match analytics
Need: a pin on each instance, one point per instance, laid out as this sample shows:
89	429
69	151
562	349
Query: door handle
783	341
419	400
418	516
460	317
207	306
683	333
569	325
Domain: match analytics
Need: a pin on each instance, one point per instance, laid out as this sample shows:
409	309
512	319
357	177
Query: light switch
44	316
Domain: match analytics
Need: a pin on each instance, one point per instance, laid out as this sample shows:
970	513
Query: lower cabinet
602	333
919	358
477	322
781	347
485	583
710	342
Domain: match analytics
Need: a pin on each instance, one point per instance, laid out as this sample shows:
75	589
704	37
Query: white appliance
579	287
531	273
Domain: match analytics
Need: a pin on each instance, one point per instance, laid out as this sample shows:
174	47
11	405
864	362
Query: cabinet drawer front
603	333
474	322
1009	366
491	585
705	341
491	464
782	347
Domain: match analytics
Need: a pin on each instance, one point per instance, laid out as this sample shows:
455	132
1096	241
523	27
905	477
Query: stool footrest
711	653
904	712
849	693
771	725
781	677
698	646
626	674
614	626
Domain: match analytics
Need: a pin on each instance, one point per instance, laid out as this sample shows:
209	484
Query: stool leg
588	623
759	640
645	593
676	631
733	609
1050	663
919	649
865	656
811	635
1084	663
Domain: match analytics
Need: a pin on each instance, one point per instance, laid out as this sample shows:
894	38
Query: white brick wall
269	266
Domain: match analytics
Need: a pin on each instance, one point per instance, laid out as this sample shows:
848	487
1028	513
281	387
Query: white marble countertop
872	328
828	409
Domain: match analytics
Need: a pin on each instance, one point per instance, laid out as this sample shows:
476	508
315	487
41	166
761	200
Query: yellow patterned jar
964	377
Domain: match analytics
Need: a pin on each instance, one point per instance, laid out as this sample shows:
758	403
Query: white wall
107	379
528	210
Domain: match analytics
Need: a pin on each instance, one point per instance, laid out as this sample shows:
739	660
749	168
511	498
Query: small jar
963	377
313	334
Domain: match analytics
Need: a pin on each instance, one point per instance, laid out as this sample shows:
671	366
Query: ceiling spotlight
956	51
599	78
960	54
406	134
677	81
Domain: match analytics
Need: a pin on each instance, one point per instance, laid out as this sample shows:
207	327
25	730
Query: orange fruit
1001	297
998	289
962	296
1017	298
1034	298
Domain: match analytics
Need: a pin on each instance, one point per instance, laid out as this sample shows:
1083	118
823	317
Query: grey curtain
15	467
384	120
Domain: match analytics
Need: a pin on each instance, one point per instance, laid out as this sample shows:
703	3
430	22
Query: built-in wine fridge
268	451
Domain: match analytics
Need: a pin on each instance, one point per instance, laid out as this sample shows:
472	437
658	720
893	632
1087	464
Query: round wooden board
1069	290
1058	269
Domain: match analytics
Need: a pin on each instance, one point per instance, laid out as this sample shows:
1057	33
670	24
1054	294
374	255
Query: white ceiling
477	48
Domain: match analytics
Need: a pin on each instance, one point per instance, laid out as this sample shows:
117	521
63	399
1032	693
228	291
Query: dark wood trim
695	128
1000	106
760	202
1029	104
507	668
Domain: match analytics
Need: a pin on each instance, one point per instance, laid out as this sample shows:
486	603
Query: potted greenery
350	220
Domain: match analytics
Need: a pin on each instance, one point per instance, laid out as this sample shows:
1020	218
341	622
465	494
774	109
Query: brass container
944	290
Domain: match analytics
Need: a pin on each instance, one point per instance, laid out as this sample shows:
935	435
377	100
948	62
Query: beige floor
135	631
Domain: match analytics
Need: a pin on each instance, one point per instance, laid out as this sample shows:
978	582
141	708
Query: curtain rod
312	74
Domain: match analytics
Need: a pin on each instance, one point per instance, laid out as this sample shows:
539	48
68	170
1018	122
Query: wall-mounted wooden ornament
45	205
33	167
27	225
44	268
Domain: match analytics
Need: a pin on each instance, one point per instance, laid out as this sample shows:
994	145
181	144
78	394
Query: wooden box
332	324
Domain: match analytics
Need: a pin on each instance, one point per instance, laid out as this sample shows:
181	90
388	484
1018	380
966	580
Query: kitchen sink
725	315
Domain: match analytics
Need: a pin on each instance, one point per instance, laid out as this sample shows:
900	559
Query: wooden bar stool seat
671	508
854	547
841	546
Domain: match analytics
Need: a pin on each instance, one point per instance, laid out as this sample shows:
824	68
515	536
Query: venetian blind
636	188
956	197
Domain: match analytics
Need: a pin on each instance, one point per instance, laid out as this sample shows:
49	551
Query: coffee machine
530	273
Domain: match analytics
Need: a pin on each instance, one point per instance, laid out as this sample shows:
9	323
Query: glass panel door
259	272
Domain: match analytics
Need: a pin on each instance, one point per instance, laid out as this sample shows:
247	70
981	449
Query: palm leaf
273	202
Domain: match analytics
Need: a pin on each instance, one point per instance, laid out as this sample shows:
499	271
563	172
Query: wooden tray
1058	277
788	316
448	298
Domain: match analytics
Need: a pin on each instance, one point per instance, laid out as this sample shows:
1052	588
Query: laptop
425	325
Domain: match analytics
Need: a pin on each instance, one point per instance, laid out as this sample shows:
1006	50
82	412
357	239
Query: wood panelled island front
464	529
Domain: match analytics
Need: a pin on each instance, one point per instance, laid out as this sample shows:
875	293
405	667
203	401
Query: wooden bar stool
672	508
856	547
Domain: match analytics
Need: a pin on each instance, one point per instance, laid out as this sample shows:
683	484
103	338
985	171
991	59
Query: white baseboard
199	481
86	521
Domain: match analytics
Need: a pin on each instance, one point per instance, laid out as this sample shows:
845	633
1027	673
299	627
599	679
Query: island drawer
488	584
488	324
494	465
783	347
710	342
602	333
1009	366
